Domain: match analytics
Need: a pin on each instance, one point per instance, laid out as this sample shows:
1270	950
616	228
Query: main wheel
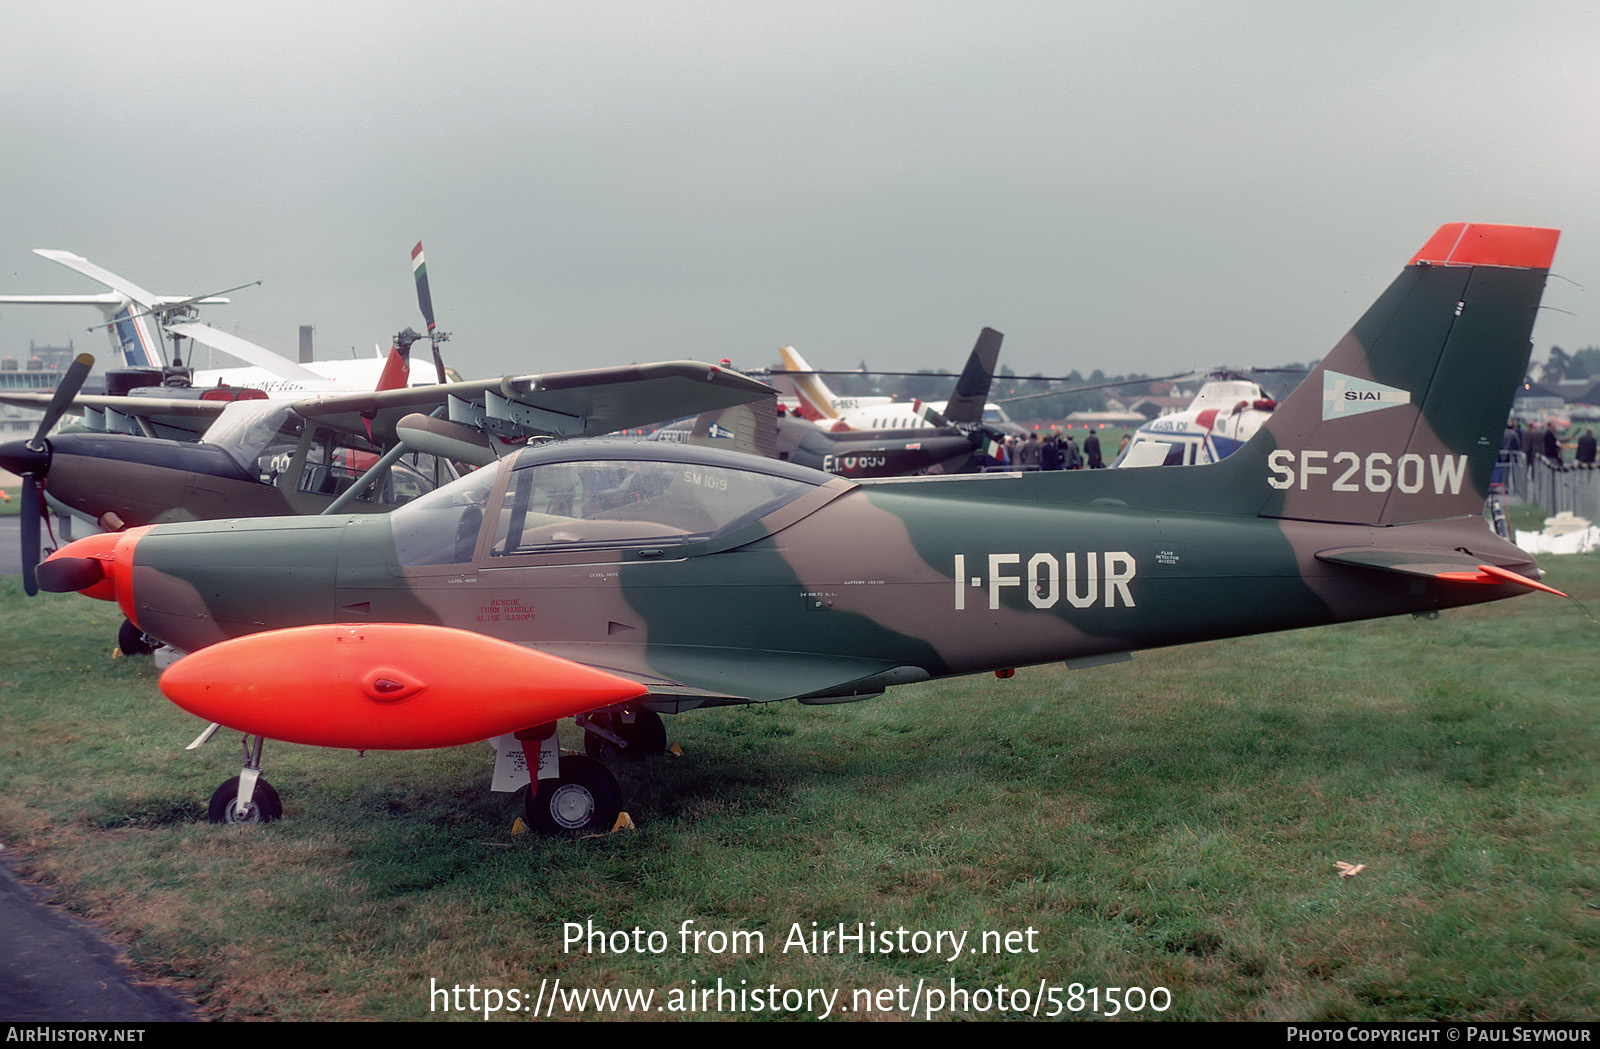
584	800
264	804
647	736
131	640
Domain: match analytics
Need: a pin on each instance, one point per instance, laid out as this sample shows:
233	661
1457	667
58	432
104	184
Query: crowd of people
1543	441
1054	451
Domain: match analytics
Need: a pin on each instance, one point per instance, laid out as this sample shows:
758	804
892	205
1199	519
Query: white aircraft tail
816	400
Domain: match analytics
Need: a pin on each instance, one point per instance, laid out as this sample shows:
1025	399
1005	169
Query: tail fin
816	400
751	428
1402	420
396	374
972	388
135	338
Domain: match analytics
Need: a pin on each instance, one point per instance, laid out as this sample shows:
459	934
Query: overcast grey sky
1128	186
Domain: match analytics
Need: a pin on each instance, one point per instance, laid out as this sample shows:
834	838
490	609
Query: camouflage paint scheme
1362	497
846	587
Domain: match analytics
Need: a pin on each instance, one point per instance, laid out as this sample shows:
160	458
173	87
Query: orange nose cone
385	686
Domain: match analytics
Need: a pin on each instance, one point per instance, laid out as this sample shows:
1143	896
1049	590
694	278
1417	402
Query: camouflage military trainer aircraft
611	581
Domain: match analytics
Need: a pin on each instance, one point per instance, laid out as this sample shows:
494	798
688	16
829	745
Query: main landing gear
583	799
568	795
132	641
629	734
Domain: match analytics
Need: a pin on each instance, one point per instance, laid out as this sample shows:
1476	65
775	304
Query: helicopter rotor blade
419	268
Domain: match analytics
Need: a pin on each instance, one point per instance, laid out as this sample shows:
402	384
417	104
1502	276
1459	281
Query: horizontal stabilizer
1431	564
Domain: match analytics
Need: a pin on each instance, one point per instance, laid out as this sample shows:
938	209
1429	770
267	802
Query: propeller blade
66	390
32	461
30	535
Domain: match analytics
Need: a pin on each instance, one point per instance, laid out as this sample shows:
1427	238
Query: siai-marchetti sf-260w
612	581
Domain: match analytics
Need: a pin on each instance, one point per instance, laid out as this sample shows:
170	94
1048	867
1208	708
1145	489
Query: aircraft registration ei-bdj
611	581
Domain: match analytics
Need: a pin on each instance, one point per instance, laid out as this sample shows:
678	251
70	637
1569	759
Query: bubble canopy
592	494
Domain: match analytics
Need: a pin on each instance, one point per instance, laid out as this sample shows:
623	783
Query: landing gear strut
628	734
246	798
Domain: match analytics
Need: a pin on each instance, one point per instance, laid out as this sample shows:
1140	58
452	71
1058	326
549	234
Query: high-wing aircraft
260	457
612	580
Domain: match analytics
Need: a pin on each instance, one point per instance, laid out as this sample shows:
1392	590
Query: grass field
1172	823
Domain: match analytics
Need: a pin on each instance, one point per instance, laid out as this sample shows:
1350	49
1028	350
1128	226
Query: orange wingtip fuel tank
384	686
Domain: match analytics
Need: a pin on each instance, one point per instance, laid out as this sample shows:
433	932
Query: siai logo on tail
1346	395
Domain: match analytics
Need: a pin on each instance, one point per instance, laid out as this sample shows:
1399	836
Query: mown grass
1170	822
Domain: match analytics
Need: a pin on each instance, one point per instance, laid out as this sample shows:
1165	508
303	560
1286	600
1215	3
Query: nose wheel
246	798
263	807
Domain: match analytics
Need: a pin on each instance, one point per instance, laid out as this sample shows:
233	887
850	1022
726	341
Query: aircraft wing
182	418
583	403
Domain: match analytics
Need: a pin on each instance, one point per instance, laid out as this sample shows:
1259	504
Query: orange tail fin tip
1481	244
